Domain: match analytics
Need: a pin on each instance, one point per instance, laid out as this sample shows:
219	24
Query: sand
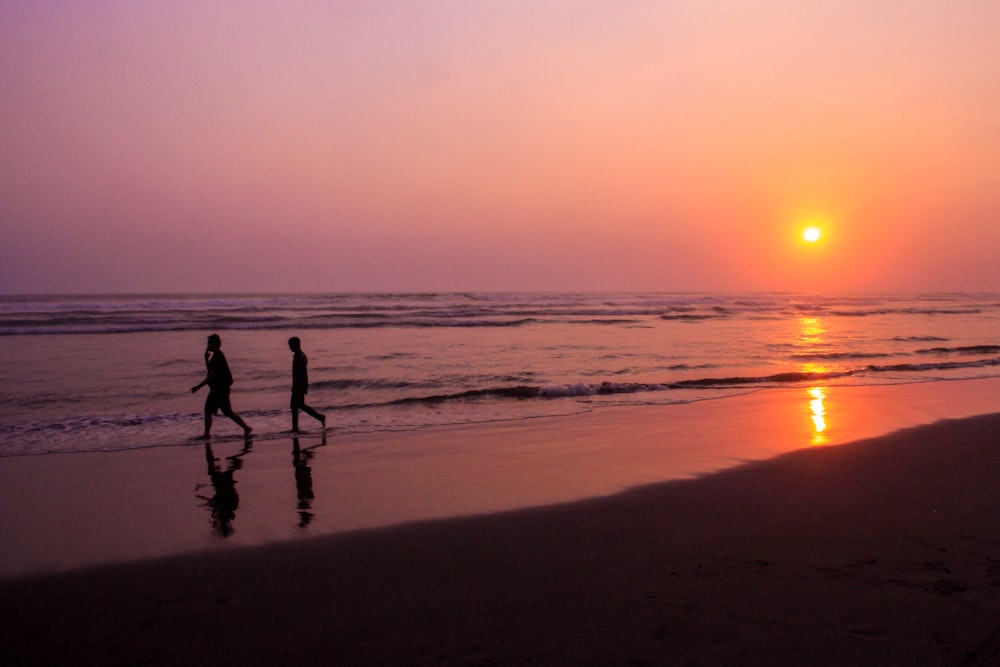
884	551
61	512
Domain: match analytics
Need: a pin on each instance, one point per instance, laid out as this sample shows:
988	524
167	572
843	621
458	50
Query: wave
76	424
110	432
347	383
839	356
500	392
776	379
69	326
693	317
524	392
935	366
147	313
902	311
966	349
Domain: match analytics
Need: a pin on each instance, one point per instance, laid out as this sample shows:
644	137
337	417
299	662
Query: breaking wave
145	313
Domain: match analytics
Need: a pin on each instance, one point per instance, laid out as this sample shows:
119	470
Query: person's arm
208	377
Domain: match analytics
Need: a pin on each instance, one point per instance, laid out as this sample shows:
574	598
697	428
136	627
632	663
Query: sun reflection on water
812	337
811	332
818	414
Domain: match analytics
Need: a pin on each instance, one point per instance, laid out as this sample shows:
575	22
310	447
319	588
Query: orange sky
499	144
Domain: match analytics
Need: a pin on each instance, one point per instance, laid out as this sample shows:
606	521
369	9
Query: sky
430	145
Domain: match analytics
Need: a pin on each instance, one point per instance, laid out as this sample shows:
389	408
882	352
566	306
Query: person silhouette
219	380
300	385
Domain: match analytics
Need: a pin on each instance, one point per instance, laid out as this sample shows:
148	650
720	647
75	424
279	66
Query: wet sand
65	511
883	551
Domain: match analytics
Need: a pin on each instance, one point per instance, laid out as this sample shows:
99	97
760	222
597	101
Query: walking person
219	380
300	385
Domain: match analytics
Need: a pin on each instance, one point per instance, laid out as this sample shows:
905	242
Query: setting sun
811	234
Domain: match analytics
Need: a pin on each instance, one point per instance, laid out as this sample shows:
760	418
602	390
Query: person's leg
299	403
314	414
208	425
239	420
295	403
210	408
227	409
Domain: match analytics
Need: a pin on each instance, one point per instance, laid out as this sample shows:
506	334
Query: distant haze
499	145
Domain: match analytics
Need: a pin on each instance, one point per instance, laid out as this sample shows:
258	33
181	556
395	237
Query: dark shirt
300	376
219	376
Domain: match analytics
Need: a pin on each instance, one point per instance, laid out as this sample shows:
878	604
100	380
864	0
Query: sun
811	234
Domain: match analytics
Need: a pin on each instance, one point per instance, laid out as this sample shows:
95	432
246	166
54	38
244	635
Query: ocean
105	373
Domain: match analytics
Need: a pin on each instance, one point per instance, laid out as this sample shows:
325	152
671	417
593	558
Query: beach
881	548
499	333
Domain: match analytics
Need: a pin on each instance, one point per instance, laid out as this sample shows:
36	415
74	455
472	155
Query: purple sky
499	144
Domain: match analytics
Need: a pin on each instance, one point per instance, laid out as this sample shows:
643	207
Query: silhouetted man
300	384
219	380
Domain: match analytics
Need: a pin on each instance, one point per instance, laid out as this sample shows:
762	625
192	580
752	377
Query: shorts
218	399
298	400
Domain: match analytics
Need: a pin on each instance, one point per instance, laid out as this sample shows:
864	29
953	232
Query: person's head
294	344
214	342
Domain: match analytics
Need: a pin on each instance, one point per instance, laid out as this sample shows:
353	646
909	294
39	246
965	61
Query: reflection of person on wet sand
303	480
300	384
224	500
219	379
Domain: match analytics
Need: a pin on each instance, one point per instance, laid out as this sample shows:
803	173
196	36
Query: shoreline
881	551
63	511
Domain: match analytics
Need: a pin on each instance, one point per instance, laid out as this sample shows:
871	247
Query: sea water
100	373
